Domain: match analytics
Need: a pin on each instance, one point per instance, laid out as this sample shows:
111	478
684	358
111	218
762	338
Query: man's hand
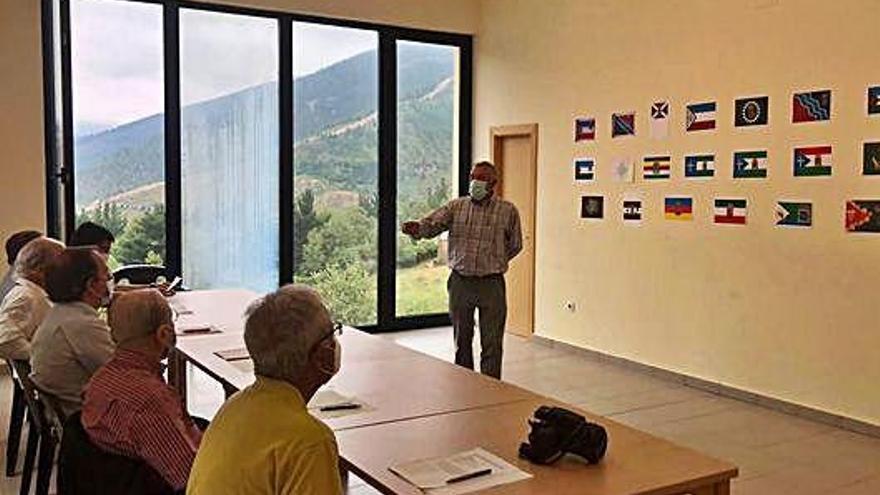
410	228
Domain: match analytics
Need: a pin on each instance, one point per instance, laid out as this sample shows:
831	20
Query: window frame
60	170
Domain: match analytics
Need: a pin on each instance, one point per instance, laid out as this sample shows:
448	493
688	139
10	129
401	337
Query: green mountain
335	129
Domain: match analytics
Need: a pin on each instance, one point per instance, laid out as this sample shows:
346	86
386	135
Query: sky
117	57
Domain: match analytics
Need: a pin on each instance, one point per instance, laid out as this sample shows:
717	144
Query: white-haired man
263	440
25	306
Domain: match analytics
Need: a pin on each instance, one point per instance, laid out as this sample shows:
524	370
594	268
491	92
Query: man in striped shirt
128	407
484	235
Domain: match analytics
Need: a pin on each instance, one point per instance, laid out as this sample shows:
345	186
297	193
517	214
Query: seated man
72	342
263	440
14	244
92	234
27	303
128	408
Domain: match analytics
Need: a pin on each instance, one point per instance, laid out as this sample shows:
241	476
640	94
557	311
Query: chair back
32	399
86	469
139	274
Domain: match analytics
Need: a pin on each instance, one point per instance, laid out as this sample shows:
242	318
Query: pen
469	476
340	407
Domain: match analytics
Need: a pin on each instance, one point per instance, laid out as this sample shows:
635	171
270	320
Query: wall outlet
569	305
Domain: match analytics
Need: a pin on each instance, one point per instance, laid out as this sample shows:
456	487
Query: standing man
484	235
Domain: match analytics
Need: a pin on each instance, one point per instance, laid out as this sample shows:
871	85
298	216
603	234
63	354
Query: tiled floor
777	454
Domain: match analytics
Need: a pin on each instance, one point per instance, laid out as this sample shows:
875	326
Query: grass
422	289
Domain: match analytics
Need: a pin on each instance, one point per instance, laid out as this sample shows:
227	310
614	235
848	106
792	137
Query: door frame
530	131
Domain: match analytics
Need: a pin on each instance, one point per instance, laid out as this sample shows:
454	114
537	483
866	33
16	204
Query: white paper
190	326
178	307
432	475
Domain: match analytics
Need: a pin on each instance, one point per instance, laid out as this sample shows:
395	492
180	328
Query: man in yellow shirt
263	440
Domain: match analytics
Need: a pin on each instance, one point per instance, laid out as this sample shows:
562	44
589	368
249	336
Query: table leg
177	373
343	475
228	390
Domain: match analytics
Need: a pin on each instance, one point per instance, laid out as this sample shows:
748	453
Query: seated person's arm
314	471
168	444
15	314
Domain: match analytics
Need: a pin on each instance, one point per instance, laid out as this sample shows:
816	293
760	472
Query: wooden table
396	383
636	462
422	407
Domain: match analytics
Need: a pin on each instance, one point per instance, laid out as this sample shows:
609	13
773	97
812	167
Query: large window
118	105
243	148
229	150
336	153
427	165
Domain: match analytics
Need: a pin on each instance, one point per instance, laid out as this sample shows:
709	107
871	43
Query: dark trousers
488	294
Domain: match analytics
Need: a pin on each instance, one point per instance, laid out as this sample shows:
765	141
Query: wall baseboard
810	413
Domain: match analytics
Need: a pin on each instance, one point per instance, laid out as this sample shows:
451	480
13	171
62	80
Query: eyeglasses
335	331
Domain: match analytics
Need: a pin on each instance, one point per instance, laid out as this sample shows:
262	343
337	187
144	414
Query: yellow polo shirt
264	441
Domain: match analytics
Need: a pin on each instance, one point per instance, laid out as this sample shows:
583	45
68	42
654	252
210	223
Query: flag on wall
862	215
699	166
700	117
811	107
871	159
750	165
660	120
812	161
874	100
623	124
584	169
656	167
623	169
789	214
592	207
632	210
584	129
730	211
678	208
751	111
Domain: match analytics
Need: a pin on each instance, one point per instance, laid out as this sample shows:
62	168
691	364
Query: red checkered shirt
130	410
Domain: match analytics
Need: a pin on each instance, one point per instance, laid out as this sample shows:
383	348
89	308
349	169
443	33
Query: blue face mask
478	189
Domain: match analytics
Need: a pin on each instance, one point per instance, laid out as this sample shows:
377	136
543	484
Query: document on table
329	404
178	307
464	472
190	326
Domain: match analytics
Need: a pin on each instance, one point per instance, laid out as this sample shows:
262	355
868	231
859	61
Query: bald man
128	408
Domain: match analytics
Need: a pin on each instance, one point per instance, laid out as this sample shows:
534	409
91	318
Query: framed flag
812	161
623	124
678	208
794	214
814	106
730	211
871	159
592	207
632	211
750	164
623	169
862	215
699	166
584	129
656	167
584	169
700	117
660	120
751	111
874	100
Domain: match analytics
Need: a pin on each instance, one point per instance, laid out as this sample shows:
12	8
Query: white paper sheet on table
178	307
329	397
431	475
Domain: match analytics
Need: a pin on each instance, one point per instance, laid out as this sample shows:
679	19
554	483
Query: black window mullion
387	183
285	155
50	132
465	115
67	170
173	216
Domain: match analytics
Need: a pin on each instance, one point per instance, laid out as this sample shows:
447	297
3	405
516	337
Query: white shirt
21	313
69	346
7	284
